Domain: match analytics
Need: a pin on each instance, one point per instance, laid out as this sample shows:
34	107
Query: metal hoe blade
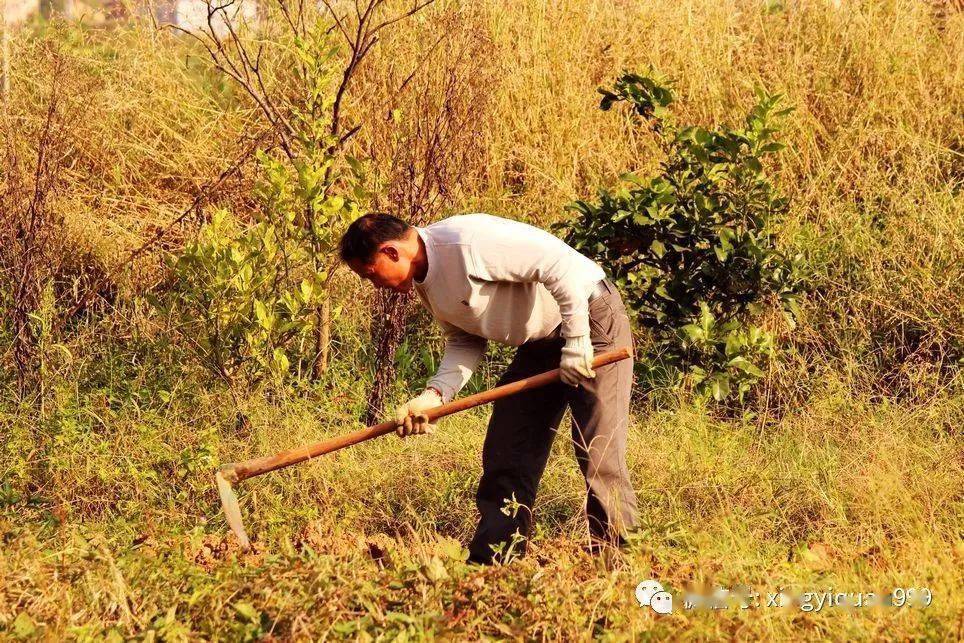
232	511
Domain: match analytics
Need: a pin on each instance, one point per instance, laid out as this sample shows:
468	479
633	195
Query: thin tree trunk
26	300
322	339
388	330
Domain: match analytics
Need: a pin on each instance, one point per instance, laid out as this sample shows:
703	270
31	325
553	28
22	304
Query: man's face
387	269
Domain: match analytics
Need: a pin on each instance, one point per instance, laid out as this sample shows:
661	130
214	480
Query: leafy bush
247	297
250	297
690	248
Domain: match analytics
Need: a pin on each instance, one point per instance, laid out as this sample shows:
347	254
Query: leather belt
601	288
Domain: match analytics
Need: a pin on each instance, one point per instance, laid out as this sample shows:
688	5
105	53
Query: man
487	278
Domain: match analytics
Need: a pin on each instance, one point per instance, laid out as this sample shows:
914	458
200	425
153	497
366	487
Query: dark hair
367	233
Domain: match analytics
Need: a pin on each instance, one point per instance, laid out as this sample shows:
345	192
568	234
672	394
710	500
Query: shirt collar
430	254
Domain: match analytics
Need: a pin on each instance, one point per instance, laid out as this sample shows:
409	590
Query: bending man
487	278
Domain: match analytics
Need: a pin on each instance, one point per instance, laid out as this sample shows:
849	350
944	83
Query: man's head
383	249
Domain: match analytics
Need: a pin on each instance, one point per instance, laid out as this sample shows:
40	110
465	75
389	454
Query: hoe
231	474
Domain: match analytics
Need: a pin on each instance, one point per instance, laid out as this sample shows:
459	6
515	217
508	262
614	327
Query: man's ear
390	251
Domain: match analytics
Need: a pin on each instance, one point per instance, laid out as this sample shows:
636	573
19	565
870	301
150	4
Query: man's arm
462	354
510	251
523	253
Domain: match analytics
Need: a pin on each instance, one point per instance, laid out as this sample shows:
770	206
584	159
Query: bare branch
338	22
417	6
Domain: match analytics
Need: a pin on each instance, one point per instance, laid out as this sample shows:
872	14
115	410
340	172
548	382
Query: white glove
576	363
411	418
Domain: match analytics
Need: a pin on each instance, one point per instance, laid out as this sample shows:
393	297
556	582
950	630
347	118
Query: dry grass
844	496
849	475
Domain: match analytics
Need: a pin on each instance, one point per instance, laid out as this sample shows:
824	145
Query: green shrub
246	297
249	296
691	248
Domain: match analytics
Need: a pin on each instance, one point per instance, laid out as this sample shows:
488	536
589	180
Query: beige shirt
496	279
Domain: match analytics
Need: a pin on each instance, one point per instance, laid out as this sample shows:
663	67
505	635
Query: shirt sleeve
526	253
460	359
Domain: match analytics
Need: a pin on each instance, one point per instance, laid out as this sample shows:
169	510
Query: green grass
123	535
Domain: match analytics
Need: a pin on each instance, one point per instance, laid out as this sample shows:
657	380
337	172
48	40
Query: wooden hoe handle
250	468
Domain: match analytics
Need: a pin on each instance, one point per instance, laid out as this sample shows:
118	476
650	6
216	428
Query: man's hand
411	418
576	364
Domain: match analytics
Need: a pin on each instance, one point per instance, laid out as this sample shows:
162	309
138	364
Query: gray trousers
522	427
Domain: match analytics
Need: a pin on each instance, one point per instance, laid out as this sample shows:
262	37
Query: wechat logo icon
650	593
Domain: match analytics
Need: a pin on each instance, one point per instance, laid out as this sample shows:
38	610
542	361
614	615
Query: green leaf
23	626
261	312
720	387
748	367
356	166
435	570
699	374
307	290
726	237
631	177
706	317
247	611
694	333
734	344
641	219
280	362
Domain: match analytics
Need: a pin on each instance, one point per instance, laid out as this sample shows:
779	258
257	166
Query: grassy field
844	496
843	473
